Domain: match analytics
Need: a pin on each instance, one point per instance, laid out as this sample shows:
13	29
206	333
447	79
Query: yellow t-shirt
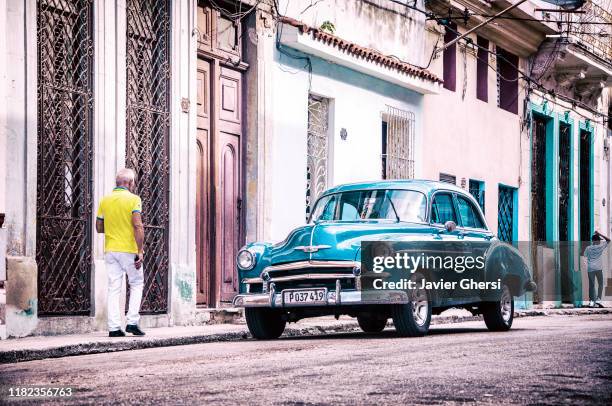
116	210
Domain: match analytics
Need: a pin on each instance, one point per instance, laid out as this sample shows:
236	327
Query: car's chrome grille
305	274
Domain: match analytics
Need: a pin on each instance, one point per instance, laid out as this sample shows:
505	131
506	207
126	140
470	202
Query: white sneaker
598	303
591	303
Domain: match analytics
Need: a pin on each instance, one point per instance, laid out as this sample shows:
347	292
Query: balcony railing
597	38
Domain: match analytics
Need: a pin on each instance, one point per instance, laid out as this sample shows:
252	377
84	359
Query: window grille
505	213
64	156
477	190
398	151
148	123
317	149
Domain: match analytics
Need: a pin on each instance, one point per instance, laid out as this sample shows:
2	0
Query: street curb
15	356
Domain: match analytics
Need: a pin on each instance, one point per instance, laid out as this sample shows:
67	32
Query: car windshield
403	205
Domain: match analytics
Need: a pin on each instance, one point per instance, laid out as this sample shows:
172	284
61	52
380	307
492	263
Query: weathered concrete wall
380	24
3	130
182	278
21	127
21	296
472	139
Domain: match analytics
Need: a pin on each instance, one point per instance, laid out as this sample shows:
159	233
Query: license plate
305	296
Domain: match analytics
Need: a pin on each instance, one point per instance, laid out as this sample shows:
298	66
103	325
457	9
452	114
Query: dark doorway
538	193
586	196
538	180
564	211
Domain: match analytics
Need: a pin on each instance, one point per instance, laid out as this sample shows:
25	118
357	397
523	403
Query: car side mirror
450	226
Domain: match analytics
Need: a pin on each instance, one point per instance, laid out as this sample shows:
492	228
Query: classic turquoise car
316	270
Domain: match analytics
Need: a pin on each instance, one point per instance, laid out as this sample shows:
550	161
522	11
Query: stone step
608	289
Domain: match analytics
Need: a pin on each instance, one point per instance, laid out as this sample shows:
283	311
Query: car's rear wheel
371	324
498	316
412	319
263	323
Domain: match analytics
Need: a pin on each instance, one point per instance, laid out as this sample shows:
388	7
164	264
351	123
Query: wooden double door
219	185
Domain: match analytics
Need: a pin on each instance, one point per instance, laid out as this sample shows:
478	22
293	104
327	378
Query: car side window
469	215
442	209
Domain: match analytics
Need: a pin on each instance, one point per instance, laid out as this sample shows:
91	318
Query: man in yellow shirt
119	219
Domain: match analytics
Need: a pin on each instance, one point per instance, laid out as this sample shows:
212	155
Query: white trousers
118	264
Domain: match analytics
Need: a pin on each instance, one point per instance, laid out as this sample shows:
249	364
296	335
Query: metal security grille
148	122
564	181
64	155
317	149
477	190
538	180
399	157
585	186
505	213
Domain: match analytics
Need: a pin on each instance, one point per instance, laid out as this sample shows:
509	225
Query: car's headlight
245	260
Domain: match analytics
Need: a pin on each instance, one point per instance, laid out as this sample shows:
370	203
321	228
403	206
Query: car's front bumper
336	297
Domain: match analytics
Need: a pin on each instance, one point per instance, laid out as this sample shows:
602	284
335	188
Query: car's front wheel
371	324
498	316
412	319
263	323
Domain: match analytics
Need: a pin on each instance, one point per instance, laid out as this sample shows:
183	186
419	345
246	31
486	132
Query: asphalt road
542	360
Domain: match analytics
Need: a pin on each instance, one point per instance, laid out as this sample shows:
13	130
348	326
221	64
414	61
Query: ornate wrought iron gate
63	206
148	122
317	149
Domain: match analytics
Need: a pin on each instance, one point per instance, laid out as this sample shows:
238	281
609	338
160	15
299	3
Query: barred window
317	149
397	144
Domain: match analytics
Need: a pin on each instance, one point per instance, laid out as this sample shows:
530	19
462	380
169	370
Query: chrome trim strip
252	280
346	297
311	248
312	264
304	276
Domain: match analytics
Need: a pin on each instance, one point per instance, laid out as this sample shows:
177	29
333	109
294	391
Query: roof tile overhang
310	40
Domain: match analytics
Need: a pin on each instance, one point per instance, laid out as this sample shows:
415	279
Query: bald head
126	178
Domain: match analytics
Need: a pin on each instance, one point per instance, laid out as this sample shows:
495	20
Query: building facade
236	115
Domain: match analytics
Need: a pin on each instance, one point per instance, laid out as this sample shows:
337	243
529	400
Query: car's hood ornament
312	248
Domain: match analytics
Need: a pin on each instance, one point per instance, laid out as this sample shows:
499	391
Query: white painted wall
357	103
3	131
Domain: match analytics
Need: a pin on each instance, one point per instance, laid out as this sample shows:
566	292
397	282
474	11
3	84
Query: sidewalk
39	347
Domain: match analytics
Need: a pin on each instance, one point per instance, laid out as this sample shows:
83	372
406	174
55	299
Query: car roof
420	185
